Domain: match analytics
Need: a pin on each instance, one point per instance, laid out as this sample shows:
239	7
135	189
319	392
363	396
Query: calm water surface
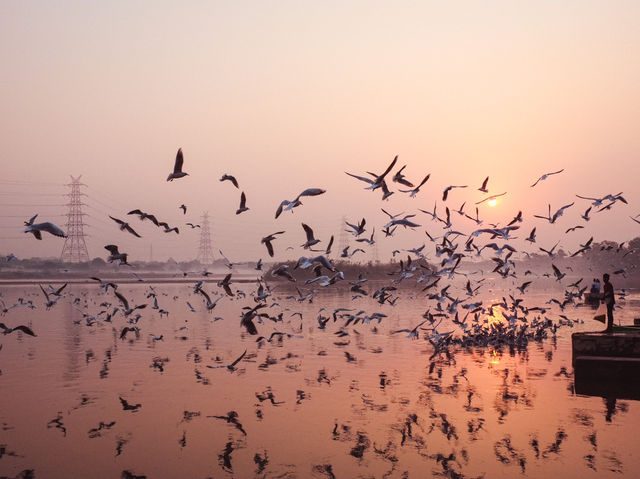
315	404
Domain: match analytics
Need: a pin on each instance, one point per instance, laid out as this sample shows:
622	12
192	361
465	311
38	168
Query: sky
289	95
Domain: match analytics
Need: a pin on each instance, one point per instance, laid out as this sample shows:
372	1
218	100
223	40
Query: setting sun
492	202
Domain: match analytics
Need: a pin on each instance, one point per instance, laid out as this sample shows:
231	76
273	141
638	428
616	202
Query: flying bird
378	180
413	192
243	204
115	255
489	198
143	216
231	179
445	193
183	208
25	329
310	238
267	241
399	178
546	175
125	226
177	167
231	366
37	228
483	188
287	205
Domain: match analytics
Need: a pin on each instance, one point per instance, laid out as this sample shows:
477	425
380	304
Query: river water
313	403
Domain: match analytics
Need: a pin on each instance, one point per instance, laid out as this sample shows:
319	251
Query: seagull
225	284
523	286
167	229
545	176
25	329
37	228
105	284
379	180
305	263
129	407
228	263
585	216
231	366
192	225
532	236
492	197
243	204
483	188
310	239
177	167
183	207
143	216
125	226
267	241
413	192
445	193
557	273
283	270
115	254
50	302
231	179
551	251
357	229
127	310
399	178
287	205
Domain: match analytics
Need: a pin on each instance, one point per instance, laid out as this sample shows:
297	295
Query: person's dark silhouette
609	300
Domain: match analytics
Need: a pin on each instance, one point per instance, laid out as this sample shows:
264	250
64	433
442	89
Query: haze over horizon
291	95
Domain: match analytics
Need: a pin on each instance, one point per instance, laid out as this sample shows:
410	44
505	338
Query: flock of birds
455	317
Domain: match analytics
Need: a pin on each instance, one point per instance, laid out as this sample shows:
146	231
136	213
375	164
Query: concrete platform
607	364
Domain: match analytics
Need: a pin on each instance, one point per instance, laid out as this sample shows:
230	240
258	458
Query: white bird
310	238
545	176
489	198
378	180
177	167
37	228
287	205
413	192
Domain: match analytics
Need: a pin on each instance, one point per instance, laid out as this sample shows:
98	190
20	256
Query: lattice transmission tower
74	249
205	253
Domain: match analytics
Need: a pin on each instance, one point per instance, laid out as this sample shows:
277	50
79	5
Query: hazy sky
288	95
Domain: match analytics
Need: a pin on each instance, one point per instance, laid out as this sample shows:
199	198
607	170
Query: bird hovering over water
310	238
177	167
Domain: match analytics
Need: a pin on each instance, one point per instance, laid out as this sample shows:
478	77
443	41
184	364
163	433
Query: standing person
608	299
